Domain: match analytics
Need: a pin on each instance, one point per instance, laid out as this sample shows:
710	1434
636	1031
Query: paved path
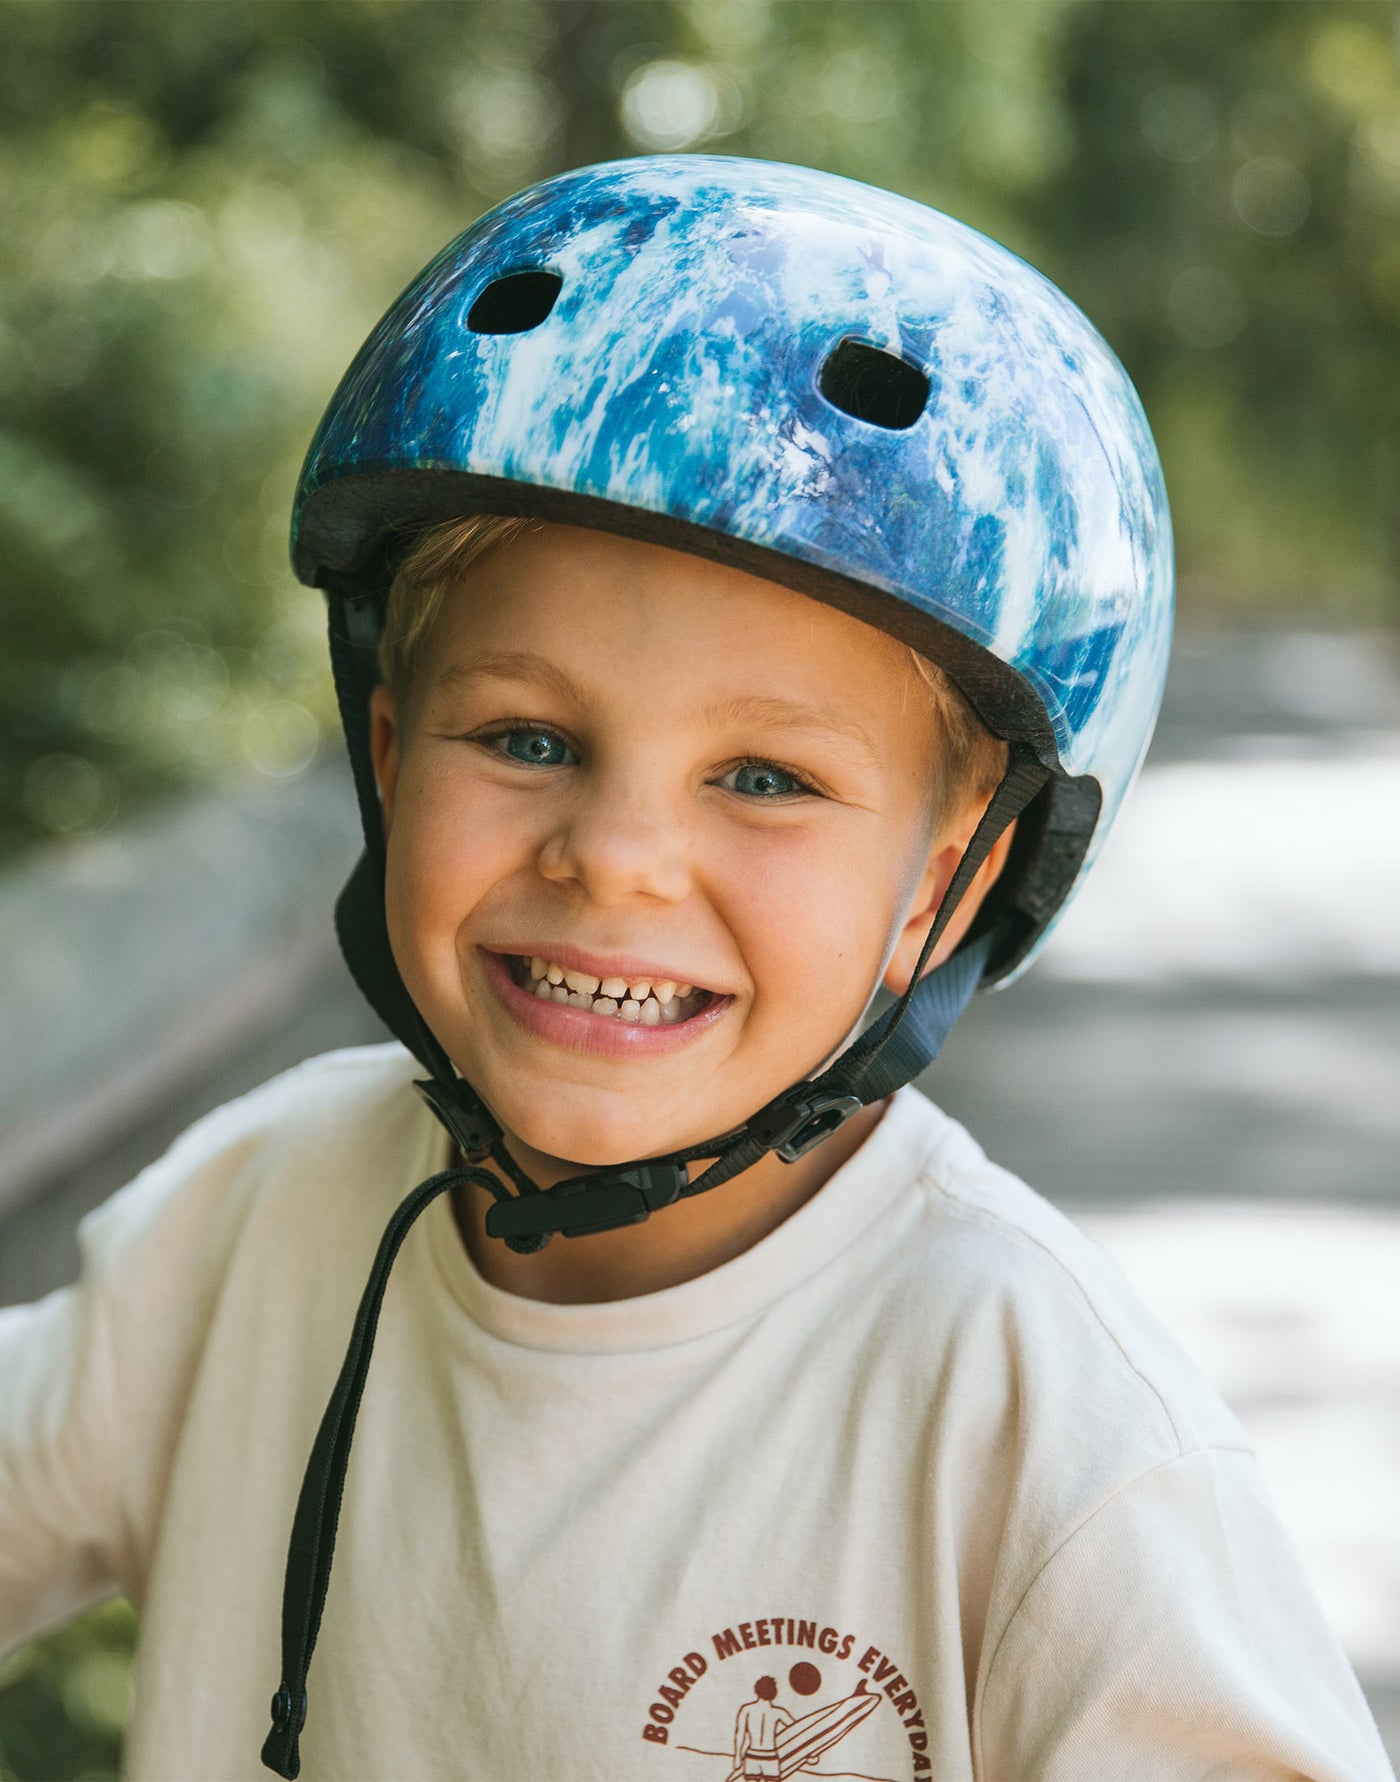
1205	1071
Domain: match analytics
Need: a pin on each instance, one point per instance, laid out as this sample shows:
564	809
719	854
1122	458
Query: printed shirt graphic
796	1714
913	1441
755	1738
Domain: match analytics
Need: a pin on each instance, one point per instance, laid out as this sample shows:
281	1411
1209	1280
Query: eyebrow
792	714
765	709
512	665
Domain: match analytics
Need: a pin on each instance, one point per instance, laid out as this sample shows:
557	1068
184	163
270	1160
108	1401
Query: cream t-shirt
914	1487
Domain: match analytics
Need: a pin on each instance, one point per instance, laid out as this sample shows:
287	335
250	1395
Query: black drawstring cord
891	1053
318	1506
312	1545
790	1125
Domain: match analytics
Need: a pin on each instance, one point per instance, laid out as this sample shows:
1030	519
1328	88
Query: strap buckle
584	1204
463	1116
793	1123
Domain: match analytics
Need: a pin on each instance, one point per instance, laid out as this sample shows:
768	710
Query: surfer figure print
770	1743
756	1731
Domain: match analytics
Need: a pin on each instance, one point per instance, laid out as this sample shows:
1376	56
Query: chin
588	1142
589	1136
576	1151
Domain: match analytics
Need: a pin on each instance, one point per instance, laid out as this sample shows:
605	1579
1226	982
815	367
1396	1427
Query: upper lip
603	965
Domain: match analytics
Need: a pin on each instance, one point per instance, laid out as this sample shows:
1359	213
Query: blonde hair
973	760
436	562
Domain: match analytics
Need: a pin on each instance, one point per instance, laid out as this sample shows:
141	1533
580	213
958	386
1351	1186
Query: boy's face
645	766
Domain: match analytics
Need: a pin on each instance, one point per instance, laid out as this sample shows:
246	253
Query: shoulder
1033	1307
337	1127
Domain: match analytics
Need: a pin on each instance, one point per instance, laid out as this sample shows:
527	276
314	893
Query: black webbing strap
903	1042
352	687
894	1049
359	911
892	1052
312	1545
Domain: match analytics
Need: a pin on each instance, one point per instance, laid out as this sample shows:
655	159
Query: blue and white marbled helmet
817	381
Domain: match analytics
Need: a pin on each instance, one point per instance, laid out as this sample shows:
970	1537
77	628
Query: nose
619	839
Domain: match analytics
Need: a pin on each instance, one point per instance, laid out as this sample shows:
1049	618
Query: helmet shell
1017	530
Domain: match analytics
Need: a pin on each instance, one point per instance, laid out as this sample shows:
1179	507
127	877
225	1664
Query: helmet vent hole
873	386
514	304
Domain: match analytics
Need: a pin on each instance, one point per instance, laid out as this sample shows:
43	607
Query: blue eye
763	779
536	748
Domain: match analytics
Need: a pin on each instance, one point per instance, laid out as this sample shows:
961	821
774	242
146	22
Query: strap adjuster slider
792	1124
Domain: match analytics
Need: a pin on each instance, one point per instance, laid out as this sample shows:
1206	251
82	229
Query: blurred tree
1229	214
64	1701
208	204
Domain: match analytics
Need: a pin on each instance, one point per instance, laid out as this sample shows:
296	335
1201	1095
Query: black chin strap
891	1053
904	1042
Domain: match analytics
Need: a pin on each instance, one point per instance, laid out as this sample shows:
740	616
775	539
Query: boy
746	589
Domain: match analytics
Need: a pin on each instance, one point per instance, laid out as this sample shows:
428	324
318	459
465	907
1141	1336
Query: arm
62	1544
1173	1637
94	1379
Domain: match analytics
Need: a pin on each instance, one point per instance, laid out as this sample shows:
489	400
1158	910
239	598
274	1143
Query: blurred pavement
1204	1070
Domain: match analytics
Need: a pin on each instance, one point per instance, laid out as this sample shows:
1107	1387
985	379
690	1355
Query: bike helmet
831	387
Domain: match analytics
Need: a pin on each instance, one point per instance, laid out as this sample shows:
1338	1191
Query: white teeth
642	1002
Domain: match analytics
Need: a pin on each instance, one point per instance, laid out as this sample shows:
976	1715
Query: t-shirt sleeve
95	1377
1174	1635
61	1537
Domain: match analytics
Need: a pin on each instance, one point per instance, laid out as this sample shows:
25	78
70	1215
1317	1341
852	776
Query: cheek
450	842
814	920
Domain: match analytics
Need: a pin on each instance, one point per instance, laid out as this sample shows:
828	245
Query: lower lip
579	1030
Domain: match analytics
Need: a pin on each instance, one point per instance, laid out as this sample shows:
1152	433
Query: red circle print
805	1679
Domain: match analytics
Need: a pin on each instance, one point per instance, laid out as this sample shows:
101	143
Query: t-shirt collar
821	1230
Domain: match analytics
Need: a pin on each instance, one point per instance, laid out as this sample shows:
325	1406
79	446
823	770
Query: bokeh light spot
68	794
671	105
1179	122
1270	195
280	738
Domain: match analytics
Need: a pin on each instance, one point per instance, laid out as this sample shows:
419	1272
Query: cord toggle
582	1205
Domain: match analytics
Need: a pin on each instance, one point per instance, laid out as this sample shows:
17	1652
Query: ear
384	748
943	863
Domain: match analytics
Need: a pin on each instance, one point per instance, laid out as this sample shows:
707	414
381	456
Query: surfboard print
802	1742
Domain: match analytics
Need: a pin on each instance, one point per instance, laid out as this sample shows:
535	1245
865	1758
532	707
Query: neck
685	1240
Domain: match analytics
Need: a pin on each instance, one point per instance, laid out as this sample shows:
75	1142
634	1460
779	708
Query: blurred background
206	205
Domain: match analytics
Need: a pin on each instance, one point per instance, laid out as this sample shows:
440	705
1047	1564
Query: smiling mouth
640	1002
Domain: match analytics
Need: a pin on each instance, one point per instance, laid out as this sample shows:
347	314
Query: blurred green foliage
207	204
64	1700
